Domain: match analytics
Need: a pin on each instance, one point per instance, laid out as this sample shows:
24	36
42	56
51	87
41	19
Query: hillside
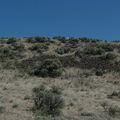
82	75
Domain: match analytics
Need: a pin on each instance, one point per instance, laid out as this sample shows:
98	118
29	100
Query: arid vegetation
44	78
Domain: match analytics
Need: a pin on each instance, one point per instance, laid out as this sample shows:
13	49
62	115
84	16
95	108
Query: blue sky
79	18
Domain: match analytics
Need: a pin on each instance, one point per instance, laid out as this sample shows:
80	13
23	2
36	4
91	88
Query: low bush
30	40
3	40
73	41
7	53
107	47
37	39
110	109
48	101
11	40
63	50
2	109
93	51
108	56
114	94
60	38
41	47
49	67
17	47
84	39
111	56
100	72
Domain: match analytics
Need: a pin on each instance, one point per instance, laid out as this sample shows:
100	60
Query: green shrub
30	40
93	51
41	47
2	109
100	72
7	53
111	56
110	109
63	50
85	39
38	39
3	40
41	39
73	41
11	40
108	56
48	101
17	47
60	38
50	67
106	47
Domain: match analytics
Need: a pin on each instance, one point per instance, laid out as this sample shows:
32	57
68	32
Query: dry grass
83	91
78	97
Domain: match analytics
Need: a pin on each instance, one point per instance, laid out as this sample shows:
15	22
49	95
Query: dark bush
49	67
108	56
41	39
30	40
7	53
114	94
85	39
73	41
60	38
11	40
48	101
17	47
107	47
3	40
41	47
38	39
63	50
100	72
93	51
